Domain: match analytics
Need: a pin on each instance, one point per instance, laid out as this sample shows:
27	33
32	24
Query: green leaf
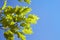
20	35
27	31
4	6
28	1
20	0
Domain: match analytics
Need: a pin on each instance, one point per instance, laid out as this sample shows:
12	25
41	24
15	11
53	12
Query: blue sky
48	27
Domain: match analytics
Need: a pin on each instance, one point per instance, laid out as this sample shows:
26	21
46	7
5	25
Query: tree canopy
10	17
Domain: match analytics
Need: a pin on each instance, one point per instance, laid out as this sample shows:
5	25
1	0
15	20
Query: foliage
27	1
12	16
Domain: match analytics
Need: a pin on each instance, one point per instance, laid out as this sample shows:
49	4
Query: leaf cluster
13	16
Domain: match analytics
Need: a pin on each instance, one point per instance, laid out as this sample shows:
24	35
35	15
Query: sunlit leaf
28	1
27	31
21	36
4	6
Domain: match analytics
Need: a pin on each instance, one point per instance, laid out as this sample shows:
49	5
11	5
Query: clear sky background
48	27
